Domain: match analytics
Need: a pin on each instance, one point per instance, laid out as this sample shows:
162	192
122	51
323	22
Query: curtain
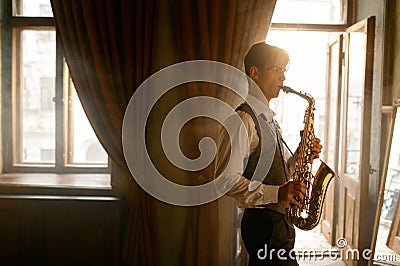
108	46
111	47
222	31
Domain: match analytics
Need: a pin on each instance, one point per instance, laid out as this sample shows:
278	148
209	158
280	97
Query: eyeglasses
277	70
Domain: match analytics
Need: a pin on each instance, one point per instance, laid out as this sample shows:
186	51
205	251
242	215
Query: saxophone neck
304	95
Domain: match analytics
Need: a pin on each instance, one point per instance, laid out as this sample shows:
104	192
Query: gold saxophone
307	217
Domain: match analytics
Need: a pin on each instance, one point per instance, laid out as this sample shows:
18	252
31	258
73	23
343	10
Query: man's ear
253	72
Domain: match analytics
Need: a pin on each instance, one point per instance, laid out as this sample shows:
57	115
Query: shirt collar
260	107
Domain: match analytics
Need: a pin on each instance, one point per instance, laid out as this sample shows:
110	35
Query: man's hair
261	54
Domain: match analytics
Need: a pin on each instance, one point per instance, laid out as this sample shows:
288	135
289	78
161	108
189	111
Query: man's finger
295	202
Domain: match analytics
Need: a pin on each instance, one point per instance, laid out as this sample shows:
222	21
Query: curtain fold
111	47
222	31
108	46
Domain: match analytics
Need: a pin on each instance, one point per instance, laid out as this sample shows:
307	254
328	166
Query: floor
310	244
313	250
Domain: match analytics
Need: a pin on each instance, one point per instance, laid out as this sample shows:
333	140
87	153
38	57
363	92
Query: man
267	235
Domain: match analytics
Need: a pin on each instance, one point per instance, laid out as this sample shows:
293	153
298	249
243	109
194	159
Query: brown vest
276	174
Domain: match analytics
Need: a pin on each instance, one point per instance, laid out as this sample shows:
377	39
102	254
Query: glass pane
308	11
32	8
354	103
332	128
393	175
85	148
38	89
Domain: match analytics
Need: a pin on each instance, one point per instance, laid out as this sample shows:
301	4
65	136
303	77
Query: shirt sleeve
232	150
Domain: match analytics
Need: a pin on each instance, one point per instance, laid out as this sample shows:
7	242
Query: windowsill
56	184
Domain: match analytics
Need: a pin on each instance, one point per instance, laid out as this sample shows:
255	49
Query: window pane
354	103
308	11
85	148
38	88
32	8
334	107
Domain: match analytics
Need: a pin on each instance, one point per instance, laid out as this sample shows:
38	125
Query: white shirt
244	139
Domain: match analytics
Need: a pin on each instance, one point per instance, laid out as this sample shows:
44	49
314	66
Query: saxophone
307	217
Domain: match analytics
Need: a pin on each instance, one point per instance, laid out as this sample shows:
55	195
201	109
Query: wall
59	230
393	52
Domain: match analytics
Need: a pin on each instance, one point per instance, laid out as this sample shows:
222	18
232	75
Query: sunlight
306	72
308	57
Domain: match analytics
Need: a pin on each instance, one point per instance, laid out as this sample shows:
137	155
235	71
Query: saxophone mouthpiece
286	89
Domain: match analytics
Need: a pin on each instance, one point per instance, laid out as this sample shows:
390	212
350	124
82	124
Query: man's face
270	78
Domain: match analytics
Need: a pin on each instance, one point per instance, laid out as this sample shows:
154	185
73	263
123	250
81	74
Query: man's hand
316	146
291	191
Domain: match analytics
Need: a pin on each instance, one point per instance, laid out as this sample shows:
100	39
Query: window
46	129
32	8
309	11
33	123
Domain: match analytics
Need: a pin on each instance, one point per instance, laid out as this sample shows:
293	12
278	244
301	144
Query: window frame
348	13
9	63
